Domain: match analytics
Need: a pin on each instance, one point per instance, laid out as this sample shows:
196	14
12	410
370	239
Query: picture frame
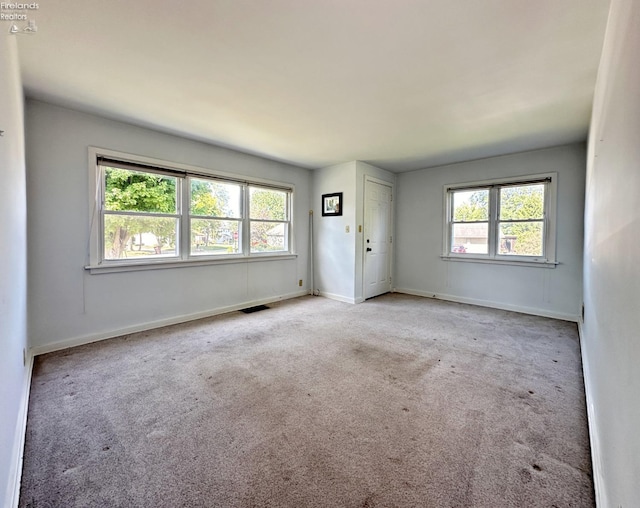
332	204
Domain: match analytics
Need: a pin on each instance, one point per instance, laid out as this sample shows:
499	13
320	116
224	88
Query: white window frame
184	172
249	220
548	259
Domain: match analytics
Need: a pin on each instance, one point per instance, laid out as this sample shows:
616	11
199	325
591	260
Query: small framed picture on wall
332	204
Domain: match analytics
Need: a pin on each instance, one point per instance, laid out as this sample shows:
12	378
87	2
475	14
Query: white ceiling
402	84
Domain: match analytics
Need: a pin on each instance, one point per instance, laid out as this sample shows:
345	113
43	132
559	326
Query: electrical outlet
300	283
346	229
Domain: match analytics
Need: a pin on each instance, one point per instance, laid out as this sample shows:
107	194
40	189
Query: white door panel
377	239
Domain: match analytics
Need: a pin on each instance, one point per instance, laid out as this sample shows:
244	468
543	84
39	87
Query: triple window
510	220
149	213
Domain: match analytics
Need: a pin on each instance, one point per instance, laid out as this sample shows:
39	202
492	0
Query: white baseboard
86	339
15	470
487	303
339	298
596	456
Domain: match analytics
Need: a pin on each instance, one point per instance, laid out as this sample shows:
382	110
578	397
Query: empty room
309	254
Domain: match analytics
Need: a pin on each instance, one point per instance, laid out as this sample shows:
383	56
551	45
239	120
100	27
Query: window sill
117	266
494	261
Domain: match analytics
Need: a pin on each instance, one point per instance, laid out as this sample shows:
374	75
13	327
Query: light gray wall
611	329
67	304
13	270
334	248
419	219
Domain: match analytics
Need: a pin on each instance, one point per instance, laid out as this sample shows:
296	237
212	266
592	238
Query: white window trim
550	255
99	265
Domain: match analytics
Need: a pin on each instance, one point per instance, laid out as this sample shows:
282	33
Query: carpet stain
254	338
367	503
34	503
525	475
405	367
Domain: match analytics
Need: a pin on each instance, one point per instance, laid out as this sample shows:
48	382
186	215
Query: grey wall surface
67	304
334	248
13	269
611	329
420	214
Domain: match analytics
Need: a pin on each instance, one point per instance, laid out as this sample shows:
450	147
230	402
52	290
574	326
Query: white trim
339	298
487	303
15	469
95	247
372	179
161	265
87	339
596	454
500	261
493	185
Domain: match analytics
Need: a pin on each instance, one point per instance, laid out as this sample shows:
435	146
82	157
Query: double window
509	220
147	213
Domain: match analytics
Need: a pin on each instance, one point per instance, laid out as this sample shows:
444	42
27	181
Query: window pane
269	236
212	236
522	202
215	199
521	239
137	191
131	237
470	238
268	204
471	205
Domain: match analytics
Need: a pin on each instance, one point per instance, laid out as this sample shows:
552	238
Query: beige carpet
400	401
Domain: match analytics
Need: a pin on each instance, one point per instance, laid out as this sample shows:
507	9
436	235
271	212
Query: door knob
368	249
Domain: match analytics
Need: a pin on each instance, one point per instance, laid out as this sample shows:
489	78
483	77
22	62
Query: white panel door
377	239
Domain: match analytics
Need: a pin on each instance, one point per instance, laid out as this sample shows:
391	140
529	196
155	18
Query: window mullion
493	221
126	213
289	226
184	209
101	194
545	222
246	228
448	236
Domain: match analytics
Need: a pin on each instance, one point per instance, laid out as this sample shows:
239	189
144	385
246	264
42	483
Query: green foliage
269	205
522	202
476	208
134	191
208	199
210	203
205	201
139	192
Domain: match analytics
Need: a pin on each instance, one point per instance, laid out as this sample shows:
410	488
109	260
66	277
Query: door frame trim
391	185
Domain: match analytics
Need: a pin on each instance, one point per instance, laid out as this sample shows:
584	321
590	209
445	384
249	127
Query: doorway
377	238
